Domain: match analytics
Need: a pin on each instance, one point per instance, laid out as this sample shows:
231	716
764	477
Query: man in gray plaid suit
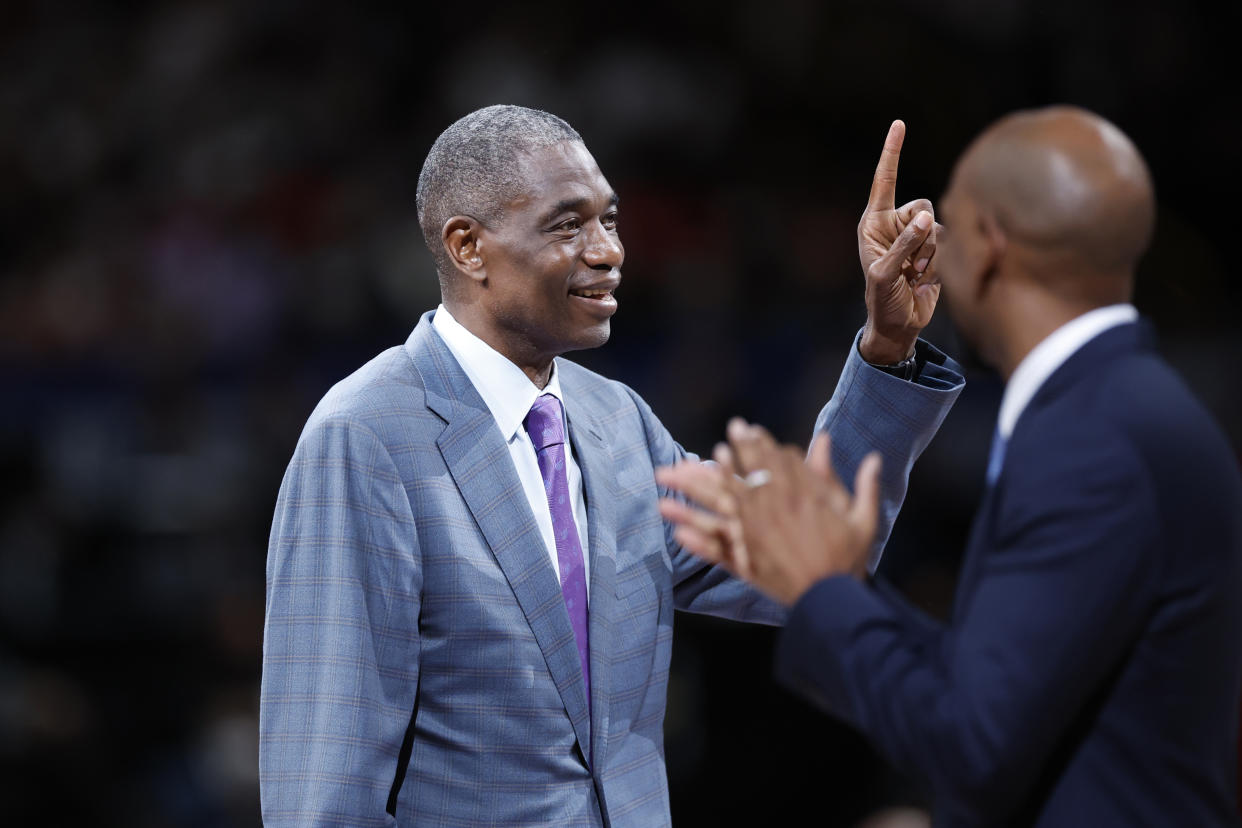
470	590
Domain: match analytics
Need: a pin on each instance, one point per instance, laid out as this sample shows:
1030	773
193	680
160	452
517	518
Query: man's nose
603	248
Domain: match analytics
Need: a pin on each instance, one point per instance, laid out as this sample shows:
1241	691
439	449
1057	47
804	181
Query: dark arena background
208	218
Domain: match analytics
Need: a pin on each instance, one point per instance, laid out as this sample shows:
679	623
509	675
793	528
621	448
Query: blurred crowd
208	218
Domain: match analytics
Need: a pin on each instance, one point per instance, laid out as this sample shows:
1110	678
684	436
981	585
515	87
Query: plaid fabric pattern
410	601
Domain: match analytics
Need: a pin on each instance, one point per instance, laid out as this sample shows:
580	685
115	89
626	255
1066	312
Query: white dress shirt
1050	354
509	394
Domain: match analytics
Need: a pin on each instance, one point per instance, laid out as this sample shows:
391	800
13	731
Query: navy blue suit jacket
1090	672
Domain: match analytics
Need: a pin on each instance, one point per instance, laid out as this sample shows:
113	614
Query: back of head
1070	189
473	168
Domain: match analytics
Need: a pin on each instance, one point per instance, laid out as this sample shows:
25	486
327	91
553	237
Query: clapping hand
769	517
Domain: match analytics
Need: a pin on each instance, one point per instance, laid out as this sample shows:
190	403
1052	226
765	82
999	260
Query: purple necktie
546	428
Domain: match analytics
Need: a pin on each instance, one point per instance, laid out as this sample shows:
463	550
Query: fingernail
921	264
923	220
737	427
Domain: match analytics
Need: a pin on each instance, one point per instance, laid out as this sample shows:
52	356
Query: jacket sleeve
870	410
340	644
874	411
1055	598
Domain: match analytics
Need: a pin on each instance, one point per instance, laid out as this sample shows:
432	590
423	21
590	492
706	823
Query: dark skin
895	248
1049	212
898	308
539	282
807	497
1047	215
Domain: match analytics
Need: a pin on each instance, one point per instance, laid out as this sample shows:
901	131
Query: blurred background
208	218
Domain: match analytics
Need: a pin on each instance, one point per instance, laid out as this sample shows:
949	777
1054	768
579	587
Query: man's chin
592	337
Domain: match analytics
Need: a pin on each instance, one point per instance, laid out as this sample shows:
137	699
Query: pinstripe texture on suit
410	598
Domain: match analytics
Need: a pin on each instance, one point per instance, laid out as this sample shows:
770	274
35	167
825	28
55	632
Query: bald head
1065	183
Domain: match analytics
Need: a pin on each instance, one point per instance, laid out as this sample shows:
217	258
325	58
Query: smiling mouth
599	303
597	295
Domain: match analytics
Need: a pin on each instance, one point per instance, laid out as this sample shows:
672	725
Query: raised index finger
884	184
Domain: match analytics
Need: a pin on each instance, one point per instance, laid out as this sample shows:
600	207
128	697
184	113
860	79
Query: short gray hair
472	168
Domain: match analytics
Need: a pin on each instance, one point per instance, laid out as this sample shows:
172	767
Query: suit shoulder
1178	436
1143	399
1134	419
384	389
1137	402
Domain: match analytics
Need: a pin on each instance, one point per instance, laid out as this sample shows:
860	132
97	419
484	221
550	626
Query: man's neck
1040	294
1026	317
538	369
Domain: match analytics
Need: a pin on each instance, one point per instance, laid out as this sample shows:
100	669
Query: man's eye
610	221
569	225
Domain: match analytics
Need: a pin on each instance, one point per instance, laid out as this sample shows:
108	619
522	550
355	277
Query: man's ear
462	243
995	244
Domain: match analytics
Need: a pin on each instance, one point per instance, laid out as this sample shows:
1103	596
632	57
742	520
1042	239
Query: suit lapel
478	459
599	482
1103	349
982	532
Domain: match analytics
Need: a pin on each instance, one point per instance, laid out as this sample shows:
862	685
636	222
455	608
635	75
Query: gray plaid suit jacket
418	662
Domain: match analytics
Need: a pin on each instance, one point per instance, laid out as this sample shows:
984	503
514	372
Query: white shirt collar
506	390
1050	354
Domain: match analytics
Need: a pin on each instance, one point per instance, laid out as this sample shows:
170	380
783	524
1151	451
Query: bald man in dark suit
1090	672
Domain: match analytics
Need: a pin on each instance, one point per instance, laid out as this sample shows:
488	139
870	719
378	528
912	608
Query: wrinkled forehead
560	172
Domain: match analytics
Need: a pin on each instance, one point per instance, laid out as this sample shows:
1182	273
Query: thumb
911	239
819	459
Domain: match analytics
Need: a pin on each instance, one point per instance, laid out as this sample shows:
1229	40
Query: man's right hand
769	517
895	248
